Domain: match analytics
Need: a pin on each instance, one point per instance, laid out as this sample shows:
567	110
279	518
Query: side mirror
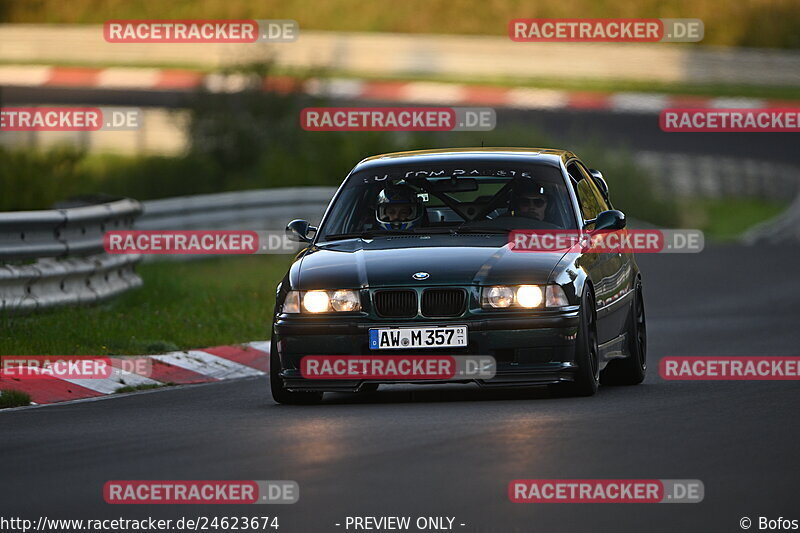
300	231
612	220
597	176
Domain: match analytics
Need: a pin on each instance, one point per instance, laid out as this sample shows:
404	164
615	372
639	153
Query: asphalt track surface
452	450
632	131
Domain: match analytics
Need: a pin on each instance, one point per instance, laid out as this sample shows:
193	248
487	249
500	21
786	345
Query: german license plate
430	337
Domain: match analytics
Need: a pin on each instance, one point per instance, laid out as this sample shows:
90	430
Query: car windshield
490	199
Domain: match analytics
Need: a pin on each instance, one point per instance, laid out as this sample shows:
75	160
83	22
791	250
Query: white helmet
399	208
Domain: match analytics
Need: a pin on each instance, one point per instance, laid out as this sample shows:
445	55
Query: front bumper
529	350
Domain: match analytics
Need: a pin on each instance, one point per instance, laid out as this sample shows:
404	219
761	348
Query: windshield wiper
417	231
433	231
479	229
365	234
457	230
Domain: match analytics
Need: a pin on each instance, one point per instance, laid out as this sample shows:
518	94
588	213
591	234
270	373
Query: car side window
589	198
594	188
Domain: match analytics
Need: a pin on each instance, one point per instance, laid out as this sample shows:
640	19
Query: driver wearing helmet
530	200
399	208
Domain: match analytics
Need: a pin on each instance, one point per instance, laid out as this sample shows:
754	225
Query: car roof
462	155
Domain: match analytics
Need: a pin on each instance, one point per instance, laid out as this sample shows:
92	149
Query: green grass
767	23
14	398
182	305
726	219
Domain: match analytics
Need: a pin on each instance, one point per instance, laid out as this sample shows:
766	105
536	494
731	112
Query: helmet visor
398	212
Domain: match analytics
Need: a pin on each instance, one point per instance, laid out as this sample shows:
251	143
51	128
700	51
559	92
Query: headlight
523	296
322	301
529	296
499	296
316	301
345	300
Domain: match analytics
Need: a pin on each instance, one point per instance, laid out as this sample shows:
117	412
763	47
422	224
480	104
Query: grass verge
182	305
726	219
769	23
13	398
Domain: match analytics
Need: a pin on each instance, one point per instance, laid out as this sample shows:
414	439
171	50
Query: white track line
737	103
261	346
24	76
128	78
639	102
433	93
119	378
335	87
208	364
537	99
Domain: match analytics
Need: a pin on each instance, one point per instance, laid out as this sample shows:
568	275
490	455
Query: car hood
448	259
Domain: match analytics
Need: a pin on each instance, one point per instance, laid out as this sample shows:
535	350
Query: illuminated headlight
523	296
316	301
322	301
529	296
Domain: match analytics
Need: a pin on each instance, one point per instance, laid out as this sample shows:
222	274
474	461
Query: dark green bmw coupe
413	256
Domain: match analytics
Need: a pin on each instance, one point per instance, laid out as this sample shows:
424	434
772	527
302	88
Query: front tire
587	377
279	392
632	369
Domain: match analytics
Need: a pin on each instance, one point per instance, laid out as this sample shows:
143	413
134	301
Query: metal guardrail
783	229
707	176
55	257
260	209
